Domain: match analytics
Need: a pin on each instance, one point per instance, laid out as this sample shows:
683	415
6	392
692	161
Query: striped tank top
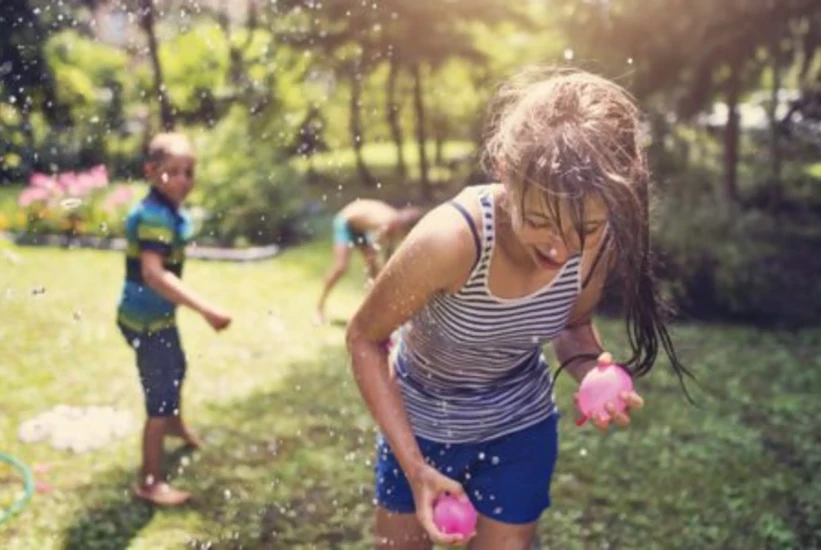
470	364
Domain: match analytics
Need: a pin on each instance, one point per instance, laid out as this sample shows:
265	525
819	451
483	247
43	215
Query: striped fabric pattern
158	225
470	364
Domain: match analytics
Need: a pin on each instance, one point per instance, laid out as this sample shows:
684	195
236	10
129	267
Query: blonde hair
569	134
168	144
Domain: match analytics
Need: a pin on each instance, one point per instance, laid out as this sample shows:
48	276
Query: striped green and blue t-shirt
158	225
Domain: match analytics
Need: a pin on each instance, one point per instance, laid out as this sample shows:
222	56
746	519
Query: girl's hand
427	484
631	399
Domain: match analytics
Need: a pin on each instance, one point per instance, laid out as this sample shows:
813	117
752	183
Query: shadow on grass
281	468
290	466
111	522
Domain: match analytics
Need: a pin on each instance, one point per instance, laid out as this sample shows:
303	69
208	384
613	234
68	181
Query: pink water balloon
604	384
455	515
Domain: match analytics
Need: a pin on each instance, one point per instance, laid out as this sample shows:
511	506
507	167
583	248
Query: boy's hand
218	319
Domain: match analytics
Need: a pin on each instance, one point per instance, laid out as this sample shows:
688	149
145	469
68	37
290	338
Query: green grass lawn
290	446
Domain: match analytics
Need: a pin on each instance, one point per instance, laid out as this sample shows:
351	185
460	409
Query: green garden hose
28	487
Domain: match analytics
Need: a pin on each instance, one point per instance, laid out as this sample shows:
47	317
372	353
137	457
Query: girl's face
547	243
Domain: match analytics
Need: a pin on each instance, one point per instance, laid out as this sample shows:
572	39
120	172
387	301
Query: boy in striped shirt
157	230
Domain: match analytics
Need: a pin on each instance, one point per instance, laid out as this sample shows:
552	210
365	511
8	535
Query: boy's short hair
168	144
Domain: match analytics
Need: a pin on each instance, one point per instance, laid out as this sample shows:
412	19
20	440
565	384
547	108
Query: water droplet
227	494
568	54
583	452
629	60
494	460
481	456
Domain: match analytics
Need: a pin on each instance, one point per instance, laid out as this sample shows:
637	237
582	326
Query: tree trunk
147	23
729	192
774	191
419	107
393	117
357	139
439	134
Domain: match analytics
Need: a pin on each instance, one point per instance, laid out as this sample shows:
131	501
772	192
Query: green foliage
251	194
195	63
752	266
83	68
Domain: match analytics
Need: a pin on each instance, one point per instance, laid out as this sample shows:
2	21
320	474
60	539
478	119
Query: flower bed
82	210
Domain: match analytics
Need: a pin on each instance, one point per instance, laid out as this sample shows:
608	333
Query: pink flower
80	185
99	177
121	196
30	195
42	181
66	180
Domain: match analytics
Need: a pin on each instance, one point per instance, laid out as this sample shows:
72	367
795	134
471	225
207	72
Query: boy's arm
168	285
154	237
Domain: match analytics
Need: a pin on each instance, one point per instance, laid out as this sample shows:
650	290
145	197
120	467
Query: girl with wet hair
465	402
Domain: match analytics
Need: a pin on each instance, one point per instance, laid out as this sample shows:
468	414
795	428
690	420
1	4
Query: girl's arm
578	347
435	257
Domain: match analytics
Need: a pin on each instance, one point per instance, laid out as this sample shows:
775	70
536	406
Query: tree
706	48
147	22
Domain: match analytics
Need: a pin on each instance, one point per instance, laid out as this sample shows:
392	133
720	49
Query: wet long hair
567	135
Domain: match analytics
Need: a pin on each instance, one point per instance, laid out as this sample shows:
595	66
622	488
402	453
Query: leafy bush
250	192
751	266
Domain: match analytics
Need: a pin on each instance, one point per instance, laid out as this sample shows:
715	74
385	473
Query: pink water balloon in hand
454	515
604	384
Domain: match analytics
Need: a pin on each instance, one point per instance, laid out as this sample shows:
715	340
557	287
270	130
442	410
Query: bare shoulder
446	241
437	256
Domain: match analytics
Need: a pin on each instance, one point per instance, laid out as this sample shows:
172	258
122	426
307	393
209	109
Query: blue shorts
507	479
346	235
161	364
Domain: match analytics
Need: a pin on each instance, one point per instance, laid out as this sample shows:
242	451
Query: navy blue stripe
472	225
469	365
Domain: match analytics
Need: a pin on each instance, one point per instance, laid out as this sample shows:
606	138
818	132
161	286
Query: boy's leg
178	428
342	254
161	363
151	486
369	254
